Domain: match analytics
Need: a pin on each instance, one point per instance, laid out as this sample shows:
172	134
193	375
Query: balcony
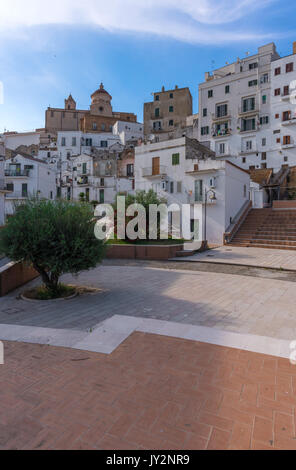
216	118
289	122
289	145
201	200
82	181
151	172
16	195
17	174
247	112
247	151
224	133
285	96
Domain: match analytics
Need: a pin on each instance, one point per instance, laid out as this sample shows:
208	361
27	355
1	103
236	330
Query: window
179	186
171	95
249	144
129	169
264	120
73	141
248	124
277	71
48	154
227	89
286	91
244	160
285	159
204	112
198	190
88	142
248	104
222	149
263	156
278	140
171	187
102	196
104	143
175	159
263	165
245	190
94	126
171	122
253	66
221	110
157	125
263	142
210	93
51	195
286	140
103	127
24	190
63	143
277	131
264	99
289	67
204	130
51	114
286	115
102	182
84	168
171	109
68	155
156	112
264	78
276	116
9	186
253	83
277	92
156	97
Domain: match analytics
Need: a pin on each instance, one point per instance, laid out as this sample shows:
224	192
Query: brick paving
262	257
241	304
153	392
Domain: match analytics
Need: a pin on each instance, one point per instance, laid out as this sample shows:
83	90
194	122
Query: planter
143	252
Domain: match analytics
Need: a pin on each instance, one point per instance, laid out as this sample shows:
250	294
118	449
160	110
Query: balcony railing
287	145
221	133
244	112
245	150
150	172
225	117
16	195
16	173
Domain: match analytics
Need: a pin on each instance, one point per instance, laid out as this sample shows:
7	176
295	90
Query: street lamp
212	198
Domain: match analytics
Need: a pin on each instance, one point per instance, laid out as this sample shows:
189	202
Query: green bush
56	237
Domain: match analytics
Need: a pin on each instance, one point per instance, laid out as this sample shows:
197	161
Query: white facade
234	109
12	140
127	131
176	174
27	176
70	143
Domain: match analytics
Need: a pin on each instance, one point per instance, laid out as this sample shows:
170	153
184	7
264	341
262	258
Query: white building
26	176
185	172
128	131
12	140
70	143
246	110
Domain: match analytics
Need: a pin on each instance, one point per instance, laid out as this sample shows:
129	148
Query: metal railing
15	173
150	171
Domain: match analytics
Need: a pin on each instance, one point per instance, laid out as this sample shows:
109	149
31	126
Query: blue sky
133	46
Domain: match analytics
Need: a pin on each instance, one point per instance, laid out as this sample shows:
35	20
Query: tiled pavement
228	302
263	257
153	392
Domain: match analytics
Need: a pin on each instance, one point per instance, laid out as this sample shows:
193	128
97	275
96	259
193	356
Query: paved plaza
152	392
262	257
241	304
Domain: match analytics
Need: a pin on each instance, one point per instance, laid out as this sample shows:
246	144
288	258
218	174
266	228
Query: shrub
56	237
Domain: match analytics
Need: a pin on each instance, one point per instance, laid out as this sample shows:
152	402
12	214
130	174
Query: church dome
101	91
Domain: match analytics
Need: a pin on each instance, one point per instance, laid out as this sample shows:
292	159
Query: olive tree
55	237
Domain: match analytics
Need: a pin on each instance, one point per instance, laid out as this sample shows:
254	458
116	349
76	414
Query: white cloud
195	21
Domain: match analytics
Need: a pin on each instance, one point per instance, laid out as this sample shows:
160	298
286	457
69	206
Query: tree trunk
50	281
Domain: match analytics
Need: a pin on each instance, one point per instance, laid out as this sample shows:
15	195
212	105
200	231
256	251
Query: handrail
238	220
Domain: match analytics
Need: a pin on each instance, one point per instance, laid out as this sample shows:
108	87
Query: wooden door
155	166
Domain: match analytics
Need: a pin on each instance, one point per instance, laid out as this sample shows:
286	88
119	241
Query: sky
133	46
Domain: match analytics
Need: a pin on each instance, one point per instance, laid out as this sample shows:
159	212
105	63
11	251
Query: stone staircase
267	228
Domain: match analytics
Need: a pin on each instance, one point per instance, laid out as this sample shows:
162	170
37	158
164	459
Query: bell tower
70	103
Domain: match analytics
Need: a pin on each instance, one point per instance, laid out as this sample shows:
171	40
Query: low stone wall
14	275
153	252
290	204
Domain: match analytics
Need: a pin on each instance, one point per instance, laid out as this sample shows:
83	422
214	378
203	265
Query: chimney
294	47
163	88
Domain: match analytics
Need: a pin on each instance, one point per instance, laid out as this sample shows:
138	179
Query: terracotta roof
261	175
100	90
